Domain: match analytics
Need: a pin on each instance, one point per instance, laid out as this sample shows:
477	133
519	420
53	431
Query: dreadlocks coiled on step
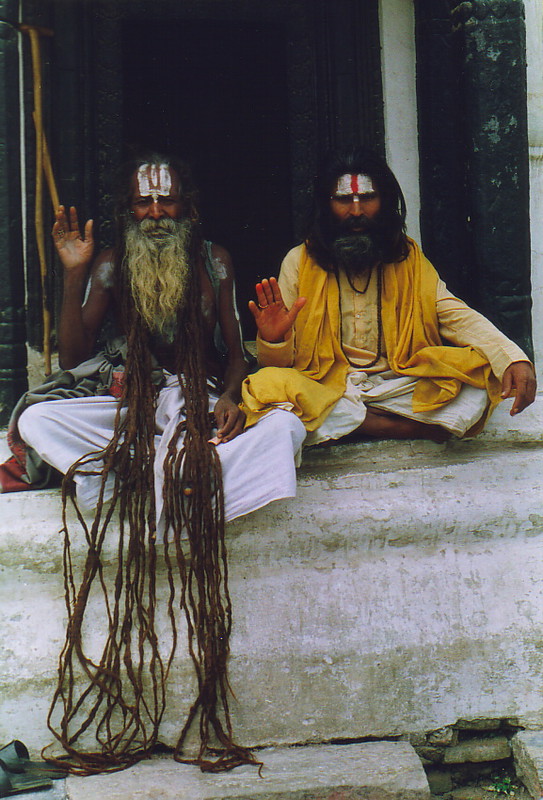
120	693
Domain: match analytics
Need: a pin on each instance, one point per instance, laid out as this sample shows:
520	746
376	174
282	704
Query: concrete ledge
402	590
372	771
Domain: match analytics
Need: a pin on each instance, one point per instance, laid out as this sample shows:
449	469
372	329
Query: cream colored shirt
458	324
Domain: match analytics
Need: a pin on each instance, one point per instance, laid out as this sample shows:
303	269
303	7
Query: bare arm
230	419
78	324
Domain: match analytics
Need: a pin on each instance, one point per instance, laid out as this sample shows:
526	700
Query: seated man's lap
62	431
394	394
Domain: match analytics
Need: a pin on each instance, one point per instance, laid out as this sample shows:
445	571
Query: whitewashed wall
397	19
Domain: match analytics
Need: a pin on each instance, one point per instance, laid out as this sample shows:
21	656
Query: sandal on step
16	759
12	783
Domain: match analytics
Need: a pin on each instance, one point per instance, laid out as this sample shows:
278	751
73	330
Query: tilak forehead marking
354	184
154	180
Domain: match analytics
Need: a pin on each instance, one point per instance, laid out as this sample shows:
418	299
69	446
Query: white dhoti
391	392
257	466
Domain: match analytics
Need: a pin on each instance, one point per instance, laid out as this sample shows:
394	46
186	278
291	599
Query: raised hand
273	319
73	249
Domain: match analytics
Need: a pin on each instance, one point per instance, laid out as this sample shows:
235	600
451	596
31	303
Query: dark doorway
251	93
215	93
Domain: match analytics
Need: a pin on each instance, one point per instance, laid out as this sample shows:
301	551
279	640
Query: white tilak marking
154	180
354	184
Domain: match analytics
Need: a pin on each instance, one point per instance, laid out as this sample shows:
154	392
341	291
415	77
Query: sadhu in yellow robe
414	348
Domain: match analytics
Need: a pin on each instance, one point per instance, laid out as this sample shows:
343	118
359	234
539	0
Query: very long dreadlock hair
119	694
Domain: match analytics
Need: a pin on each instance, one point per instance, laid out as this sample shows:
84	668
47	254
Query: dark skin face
164	202
355	206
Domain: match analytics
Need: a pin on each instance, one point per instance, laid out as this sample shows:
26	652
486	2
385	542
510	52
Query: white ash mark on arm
219	268
101	277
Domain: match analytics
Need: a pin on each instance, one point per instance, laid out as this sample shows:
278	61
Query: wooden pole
41	161
48	170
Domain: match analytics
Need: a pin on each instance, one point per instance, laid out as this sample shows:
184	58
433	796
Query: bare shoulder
103	271
221	262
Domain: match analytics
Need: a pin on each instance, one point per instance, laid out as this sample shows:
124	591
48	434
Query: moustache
158	227
355	225
358	242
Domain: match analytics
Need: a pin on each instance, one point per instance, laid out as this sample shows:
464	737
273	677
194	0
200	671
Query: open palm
273	319
73	249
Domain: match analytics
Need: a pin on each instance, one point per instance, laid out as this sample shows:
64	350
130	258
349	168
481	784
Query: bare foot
383	425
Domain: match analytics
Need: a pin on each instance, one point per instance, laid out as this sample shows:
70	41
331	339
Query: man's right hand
274	321
74	250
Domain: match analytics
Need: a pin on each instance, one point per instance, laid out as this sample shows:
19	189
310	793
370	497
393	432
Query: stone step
369	771
527	749
401	590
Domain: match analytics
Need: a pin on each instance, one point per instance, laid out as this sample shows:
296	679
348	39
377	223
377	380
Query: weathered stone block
416	739
476	750
527	747
443	736
371	771
433	754
478	724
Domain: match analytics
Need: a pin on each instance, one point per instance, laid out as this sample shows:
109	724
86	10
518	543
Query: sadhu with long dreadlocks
164	452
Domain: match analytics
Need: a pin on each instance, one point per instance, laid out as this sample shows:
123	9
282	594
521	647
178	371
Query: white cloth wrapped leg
63	431
258	466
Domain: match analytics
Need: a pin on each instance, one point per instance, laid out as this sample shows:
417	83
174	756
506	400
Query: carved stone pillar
493	46
13	376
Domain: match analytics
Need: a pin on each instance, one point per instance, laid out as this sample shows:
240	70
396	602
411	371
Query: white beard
157	263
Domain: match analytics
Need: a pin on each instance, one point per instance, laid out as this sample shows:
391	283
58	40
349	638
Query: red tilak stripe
354	184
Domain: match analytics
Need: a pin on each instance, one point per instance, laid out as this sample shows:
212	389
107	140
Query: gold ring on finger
263	307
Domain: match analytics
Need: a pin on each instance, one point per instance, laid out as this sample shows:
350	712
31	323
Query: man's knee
281	422
32	420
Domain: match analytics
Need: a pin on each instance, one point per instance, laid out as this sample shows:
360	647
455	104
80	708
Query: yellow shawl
413	345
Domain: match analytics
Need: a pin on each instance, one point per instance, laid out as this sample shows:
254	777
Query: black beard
356	251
